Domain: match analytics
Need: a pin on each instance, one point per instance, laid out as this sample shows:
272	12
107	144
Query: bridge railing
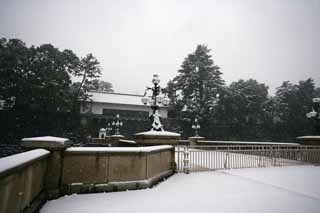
214	157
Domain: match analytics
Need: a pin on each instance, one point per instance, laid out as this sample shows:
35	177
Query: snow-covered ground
294	189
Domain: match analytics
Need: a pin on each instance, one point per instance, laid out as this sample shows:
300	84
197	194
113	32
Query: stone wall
22	181
111	169
52	168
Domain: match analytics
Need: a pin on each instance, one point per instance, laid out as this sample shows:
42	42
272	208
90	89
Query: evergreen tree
293	102
194	91
100	86
245	104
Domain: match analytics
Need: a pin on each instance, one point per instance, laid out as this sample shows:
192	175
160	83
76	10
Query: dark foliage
36	90
244	110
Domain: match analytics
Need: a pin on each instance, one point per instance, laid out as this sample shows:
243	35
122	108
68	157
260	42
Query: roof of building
115	98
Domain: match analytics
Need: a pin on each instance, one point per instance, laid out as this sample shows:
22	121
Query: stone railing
52	168
23	181
88	169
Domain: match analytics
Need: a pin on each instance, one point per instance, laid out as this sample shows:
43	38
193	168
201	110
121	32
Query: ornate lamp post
117	124
196	127
154	100
315	113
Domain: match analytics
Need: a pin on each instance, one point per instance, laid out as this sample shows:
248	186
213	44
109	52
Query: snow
46	139
249	143
119	149
293	189
127	141
309	137
159	133
13	161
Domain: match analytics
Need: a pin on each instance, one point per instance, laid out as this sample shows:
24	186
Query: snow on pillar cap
46	142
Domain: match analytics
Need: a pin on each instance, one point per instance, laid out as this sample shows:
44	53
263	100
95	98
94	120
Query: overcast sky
271	41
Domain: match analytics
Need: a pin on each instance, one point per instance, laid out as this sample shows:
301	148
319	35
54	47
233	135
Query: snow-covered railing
22	180
214	157
202	142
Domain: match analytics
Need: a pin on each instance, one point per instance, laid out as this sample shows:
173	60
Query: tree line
41	88
243	110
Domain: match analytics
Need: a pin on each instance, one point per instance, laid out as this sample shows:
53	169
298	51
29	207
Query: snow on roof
13	161
47	139
116	98
159	133
119	149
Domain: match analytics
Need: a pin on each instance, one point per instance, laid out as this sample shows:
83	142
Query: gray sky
267	40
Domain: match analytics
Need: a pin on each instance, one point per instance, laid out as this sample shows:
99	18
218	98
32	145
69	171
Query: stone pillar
194	140
157	138
114	139
55	161
309	140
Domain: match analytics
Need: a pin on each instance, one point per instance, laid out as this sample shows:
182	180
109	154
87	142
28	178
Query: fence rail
214	157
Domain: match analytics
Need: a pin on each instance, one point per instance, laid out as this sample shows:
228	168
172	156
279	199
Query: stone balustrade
52	168
88	169
23	181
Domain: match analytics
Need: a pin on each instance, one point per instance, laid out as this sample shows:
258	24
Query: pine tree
194	90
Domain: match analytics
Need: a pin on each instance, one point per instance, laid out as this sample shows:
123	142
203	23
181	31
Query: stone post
194	140
186	162
309	140
56	146
114	139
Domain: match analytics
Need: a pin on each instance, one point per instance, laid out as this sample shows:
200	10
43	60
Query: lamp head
145	100
165	101
156	79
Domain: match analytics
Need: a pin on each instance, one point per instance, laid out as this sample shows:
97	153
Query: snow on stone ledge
119	149
248	143
128	141
46	139
309	137
13	161
159	133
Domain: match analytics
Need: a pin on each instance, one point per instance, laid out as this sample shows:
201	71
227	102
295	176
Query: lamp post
117	124
196	127
155	100
315	113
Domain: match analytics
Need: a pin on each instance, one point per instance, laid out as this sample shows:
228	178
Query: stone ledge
157	138
309	140
14	163
46	142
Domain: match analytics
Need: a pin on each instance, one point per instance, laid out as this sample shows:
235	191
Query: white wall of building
97	108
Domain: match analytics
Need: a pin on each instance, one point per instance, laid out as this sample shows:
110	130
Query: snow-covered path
292	189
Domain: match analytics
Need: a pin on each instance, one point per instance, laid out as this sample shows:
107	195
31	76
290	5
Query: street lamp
155	101
117	124
315	113
196	126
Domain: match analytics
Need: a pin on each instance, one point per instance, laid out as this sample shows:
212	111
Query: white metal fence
214	157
